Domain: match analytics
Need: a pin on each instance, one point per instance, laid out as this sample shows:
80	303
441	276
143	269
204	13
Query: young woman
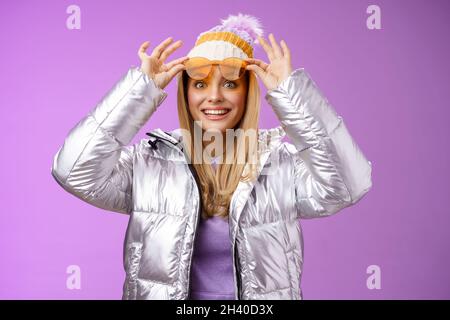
214	205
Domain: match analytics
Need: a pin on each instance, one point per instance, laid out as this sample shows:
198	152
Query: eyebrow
207	79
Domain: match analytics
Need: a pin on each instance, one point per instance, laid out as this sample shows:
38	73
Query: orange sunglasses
198	68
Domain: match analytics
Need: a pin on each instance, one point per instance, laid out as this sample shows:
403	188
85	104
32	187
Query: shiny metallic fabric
321	172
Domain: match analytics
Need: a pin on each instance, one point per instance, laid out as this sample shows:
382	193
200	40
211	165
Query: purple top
212	264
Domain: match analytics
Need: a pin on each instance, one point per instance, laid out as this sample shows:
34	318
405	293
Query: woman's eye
232	84
228	84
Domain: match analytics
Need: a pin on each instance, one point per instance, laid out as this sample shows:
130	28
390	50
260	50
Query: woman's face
217	102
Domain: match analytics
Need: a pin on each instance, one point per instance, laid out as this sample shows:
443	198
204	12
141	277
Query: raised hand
154	66
280	63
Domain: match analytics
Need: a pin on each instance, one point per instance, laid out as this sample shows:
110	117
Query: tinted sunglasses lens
199	73
232	68
198	68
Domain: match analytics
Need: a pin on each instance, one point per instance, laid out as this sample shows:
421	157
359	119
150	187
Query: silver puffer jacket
321	172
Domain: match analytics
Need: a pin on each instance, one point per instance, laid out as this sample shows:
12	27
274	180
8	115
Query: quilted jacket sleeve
330	171
94	163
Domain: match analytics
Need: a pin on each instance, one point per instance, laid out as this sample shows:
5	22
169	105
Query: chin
222	127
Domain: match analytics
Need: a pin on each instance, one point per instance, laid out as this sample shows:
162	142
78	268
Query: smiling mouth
216	114
211	111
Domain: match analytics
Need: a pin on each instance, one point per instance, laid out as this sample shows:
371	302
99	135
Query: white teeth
215	111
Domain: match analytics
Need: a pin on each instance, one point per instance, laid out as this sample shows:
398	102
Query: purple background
389	85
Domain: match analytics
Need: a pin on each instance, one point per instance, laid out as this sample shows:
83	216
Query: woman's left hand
280	63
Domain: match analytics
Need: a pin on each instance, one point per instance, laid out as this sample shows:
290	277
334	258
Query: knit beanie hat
235	37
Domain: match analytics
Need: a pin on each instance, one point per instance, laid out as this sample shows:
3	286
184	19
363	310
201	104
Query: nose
215	94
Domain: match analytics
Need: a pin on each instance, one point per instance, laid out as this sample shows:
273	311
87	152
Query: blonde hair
217	187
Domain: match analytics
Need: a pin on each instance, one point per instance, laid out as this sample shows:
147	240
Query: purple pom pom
245	23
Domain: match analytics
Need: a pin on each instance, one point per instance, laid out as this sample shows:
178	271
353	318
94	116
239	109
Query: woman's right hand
154	66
